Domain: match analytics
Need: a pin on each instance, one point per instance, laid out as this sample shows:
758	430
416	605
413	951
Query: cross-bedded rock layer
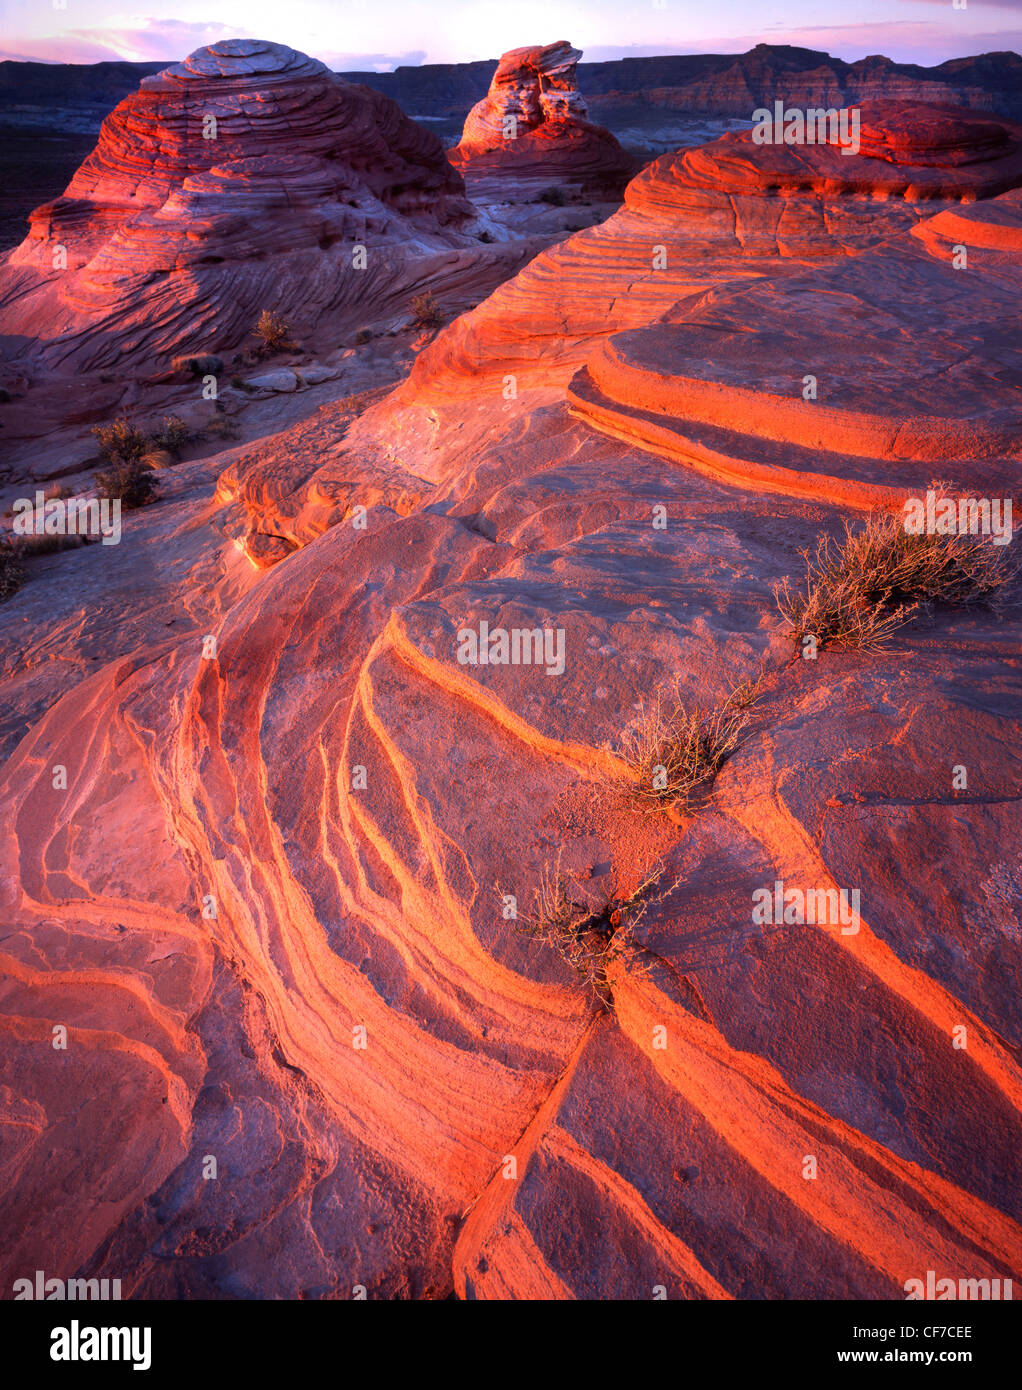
714	246
349	796
239	180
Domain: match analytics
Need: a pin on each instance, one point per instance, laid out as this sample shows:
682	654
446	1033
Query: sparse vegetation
860	590
15	550
121	441
275	332
363	336
554	196
130	481
29	547
173	435
157	458
426	311
588	939
675	753
12	571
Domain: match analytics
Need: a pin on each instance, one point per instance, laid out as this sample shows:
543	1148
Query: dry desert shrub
860	590
587	938
205	364
172	436
30	546
426	311
275	332
131	482
157	458
222	427
675	753
121	440
125	443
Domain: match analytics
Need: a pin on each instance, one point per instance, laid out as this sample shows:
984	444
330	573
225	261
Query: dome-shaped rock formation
239	180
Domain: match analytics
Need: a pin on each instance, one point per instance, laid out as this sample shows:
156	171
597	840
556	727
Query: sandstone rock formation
265	904
697	222
239	180
533	124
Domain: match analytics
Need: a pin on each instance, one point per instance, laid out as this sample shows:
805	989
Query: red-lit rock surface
718	215
643	1158
533	125
175	242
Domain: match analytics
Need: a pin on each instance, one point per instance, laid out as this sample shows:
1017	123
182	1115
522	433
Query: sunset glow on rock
523	804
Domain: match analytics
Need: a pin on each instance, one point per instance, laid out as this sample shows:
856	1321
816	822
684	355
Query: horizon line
470	62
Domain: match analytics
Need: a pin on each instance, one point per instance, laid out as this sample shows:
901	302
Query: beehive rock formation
354	1029
533	124
239	180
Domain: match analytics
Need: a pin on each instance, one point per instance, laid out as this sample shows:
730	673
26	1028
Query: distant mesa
534	122
617	92
238	180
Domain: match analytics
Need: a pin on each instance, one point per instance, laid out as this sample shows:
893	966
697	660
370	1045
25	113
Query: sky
380	34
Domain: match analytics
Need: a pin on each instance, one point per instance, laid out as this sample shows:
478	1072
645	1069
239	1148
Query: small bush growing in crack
860	590
172	436
589	939
675	752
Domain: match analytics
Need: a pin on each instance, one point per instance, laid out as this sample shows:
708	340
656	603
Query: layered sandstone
243	179
721	386
697	225
354	1030
533	123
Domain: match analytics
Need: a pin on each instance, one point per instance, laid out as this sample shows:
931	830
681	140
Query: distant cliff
735	85
60	84
726	84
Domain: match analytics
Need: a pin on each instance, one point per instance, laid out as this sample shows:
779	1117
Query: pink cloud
158	40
